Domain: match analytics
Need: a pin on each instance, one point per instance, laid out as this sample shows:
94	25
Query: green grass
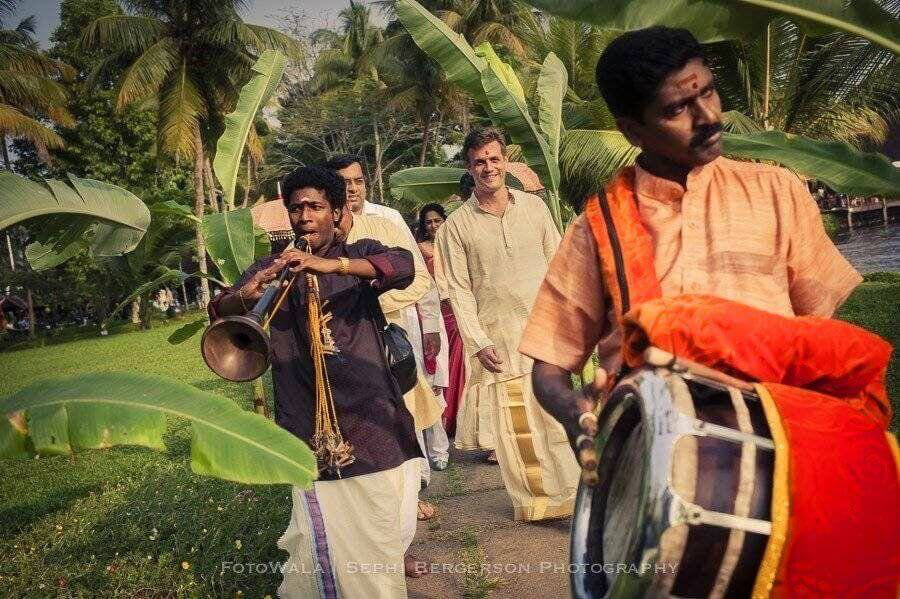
875	305
476	583
126	521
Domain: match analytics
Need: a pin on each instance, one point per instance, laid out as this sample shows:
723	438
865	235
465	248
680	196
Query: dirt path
475	548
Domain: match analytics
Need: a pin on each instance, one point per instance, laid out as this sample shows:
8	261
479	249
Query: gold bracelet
345	266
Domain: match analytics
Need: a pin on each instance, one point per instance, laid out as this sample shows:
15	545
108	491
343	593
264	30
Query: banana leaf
449	49
254	95
837	164
426	184
184	333
230	242
101	410
103	218
553	81
173	208
717	20
588	159
510	111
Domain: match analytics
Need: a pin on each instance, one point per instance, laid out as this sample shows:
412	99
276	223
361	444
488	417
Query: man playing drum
742	231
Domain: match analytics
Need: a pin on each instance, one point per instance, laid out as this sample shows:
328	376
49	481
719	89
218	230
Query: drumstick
587	422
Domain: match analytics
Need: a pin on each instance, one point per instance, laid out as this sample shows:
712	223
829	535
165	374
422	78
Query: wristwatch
345	266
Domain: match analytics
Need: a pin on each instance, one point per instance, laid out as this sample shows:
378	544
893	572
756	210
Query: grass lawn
132	522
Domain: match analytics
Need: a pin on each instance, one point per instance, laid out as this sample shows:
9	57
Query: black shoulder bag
398	351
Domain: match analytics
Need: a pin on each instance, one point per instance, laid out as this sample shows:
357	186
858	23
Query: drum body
683	505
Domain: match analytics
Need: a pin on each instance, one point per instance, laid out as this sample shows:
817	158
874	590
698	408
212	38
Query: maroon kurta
370	408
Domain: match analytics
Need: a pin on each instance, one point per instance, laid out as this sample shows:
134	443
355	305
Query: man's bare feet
414	568
426	510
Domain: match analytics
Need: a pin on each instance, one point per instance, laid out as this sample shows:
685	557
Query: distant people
494	252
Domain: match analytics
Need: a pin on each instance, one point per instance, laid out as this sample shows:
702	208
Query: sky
322	13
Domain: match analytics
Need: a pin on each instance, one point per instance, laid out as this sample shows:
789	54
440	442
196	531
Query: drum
683	504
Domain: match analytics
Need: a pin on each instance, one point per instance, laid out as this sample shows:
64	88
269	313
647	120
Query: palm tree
352	58
504	23
832	87
578	46
30	87
417	86
190	57
349	55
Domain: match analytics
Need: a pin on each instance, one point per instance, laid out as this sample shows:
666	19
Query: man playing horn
345	537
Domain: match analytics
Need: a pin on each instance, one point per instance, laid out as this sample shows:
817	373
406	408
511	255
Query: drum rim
623	401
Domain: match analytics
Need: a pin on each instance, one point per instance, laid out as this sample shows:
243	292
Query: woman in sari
431	217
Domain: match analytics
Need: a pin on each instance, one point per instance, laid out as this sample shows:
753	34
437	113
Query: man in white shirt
431	338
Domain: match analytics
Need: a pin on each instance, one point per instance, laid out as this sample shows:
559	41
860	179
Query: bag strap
375	308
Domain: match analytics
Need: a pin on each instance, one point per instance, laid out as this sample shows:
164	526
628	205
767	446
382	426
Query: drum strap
624	246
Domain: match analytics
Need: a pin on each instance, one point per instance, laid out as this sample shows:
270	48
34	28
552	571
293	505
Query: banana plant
66	219
102	410
268	71
717	20
424	184
584	159
495	86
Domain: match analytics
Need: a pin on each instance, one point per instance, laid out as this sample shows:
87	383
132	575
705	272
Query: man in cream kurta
428	336
494	250
474	424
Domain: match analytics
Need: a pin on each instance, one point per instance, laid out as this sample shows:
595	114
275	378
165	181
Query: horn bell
236	348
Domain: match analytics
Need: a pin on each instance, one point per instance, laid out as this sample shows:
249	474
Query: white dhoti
474	416
347	538
537	465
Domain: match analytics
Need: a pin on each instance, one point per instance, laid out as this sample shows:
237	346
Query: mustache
705	133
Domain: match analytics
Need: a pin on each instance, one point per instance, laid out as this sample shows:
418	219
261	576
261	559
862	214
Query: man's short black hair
319	178
634	65
341	161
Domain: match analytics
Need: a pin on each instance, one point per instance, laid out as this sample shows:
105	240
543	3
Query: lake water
871	249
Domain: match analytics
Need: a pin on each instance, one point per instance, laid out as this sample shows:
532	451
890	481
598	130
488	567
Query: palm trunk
144	311
12	261
378	176
259	398
210	186
6	155
199	205
184	296
424	151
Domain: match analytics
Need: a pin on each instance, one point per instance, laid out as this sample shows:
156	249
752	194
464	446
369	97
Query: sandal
426	510
491	457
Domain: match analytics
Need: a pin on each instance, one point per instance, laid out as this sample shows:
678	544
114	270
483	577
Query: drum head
619	530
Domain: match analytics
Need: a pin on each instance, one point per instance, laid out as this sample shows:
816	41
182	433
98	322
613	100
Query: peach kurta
742	231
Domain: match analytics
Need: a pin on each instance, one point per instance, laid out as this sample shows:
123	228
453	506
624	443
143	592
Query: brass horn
237	347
